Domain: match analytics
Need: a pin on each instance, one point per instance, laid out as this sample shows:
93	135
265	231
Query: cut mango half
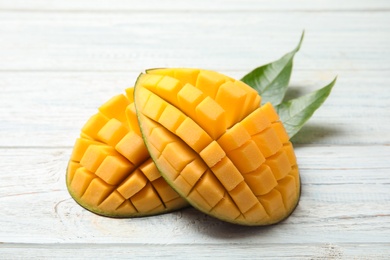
110	171
214	144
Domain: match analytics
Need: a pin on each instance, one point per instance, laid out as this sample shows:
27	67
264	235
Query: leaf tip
300	41
333	82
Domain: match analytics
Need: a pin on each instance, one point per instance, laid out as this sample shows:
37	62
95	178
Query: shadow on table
313	133
212	227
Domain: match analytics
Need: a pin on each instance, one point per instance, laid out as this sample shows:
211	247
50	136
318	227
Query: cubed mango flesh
110	171
186	135
216	146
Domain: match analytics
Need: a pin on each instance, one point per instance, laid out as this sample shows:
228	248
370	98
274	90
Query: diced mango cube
171	118
148	125
93	125
243	197
149	80
193	135
79	148
126	208
115	107
209	81
133	148
255	122
256	214
96	192
269	112
287	188
188	98
279	164
182	185
178	155
246	158
154	107
268	142
193	171
226	208
280	131
81	180
234	137
211	117
252	99
198	200
227	173
114	169
167	89
163	165
150	170
112	132
231	98
94	156
146	199
133	184
273	204
187	75
210	188
143	96
165	192
212	154
130	94
112	202
289	150
132	120
161	137
71	170
261	180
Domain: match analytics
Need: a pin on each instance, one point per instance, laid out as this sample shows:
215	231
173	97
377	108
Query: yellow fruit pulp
110	171
216	146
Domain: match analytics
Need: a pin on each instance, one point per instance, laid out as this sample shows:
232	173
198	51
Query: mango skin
237	166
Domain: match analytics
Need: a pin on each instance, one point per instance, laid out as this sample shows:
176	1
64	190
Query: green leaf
271	80
295	112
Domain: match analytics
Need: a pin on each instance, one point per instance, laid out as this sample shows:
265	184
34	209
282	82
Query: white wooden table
59	60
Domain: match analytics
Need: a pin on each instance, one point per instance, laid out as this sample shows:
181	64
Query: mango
186	137
214	144
110	171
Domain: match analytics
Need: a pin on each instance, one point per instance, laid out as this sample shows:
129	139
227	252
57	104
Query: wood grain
53	106
344	194
56	41
60	60
198	5
321	251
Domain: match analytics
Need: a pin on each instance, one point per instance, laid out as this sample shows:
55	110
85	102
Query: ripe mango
189	136
110	171
216	146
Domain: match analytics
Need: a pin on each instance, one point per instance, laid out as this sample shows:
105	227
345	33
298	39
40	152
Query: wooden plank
198	5
224	41
48	109
334	208
60	60
125	250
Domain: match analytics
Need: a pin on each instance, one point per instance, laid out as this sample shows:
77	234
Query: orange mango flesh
216	146
110	171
